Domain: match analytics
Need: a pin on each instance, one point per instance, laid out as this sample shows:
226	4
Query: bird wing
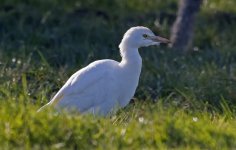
81	82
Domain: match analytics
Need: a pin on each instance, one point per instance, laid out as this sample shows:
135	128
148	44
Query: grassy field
182	102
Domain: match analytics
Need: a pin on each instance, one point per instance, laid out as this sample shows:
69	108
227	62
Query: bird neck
130	57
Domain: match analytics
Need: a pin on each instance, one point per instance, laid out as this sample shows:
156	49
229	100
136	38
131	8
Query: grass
182	102
141	125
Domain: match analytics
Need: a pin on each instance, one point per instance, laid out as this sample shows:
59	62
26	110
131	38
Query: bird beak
160	39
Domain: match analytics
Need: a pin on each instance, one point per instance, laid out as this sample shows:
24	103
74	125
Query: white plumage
106	85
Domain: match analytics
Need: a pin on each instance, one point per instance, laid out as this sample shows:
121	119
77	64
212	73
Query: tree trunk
182	31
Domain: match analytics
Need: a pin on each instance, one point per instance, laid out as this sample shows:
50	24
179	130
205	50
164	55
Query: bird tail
43	108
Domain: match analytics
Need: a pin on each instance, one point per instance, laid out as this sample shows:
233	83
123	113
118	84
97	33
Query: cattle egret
106	85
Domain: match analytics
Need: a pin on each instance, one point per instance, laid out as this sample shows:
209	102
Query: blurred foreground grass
182	101
142	125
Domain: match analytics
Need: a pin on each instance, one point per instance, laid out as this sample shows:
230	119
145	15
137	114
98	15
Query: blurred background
42	42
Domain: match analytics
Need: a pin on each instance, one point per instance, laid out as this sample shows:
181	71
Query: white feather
105	85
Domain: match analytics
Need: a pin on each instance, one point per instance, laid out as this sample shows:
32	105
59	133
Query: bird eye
145	35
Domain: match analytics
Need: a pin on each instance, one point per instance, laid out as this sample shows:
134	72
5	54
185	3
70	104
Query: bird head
137	37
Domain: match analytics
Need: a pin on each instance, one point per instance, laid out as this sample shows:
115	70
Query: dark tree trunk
182	31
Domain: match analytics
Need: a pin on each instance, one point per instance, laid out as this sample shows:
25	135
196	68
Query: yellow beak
160	39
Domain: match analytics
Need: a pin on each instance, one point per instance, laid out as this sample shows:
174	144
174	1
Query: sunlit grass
141	125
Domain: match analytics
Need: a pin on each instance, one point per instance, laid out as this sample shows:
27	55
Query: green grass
182	102
141	125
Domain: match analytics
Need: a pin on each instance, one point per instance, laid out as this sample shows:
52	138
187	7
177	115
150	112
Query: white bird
106	85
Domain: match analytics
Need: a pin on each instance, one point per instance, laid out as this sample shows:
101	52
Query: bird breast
129	73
